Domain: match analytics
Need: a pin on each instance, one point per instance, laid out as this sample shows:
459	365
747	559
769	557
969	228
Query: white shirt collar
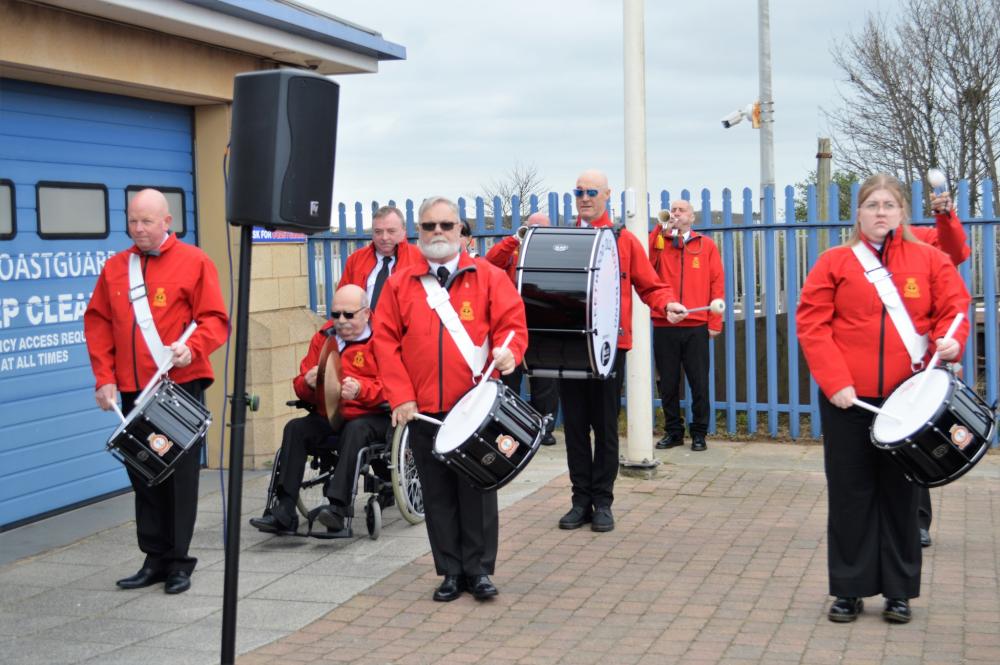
365	334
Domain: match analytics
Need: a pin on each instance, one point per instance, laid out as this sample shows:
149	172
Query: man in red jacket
424	371
181	286
371	265
593	403
362	407
690	263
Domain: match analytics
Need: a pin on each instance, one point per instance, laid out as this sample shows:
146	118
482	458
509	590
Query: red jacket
182	286
419	360
635	271
504	256
357	360
947	235
694	270
362	261
847	337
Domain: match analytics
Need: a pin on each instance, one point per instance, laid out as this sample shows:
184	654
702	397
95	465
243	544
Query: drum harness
439	301
880	277
143	315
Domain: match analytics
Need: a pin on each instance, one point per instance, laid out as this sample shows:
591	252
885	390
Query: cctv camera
733	118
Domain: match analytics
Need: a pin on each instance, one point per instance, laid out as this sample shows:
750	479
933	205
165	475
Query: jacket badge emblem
160	298
912	289
695	263
466	312
359	359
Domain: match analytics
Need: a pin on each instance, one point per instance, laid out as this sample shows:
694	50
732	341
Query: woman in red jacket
855	352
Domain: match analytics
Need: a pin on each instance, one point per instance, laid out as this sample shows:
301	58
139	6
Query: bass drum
569	281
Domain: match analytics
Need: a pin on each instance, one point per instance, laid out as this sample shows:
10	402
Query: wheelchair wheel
373	517
311	491
405	482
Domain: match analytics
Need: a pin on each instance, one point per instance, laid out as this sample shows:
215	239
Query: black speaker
282	149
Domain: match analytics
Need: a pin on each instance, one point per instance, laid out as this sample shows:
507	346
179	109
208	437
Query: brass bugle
664	216
521	232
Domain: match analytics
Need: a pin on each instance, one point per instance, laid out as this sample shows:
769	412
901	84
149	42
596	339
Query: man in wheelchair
361	409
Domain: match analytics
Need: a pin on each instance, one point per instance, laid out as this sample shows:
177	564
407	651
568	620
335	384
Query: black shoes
845	610
330	517
670	441
450	589
481	587
144	578
602	520
177	582
897	610
548	439
925	537
575	518
698	442
271	524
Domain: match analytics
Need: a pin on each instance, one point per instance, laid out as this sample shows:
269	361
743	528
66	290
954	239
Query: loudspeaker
282	148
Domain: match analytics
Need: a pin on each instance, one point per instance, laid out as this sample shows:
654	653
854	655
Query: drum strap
881	279
143	315
438	300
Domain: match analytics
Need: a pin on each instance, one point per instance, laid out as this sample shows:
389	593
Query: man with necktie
371	265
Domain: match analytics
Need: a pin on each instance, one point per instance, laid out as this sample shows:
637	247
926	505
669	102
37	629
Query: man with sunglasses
594	403
689	262
362	407
370	266
428	366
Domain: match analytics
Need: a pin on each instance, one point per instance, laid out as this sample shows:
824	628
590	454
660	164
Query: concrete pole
766	97
639	453
823	178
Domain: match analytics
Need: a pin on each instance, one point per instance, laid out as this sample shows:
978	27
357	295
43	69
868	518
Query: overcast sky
540	82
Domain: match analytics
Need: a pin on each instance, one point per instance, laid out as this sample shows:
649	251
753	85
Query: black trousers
301	437
544	392
356	434
593	404
165	514
924	512
873	545
676	348
462	522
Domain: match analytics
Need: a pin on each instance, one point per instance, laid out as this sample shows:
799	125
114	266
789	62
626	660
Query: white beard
438	249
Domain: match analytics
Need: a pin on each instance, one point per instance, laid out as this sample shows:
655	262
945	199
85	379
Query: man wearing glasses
594	403
371	265
361	406
427	366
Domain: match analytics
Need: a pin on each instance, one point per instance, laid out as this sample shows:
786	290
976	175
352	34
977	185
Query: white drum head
466	417
912	414
605	301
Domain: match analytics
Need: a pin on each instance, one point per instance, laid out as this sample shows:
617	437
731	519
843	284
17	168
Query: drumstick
874	409
718	306
160	371
114	405
934	359
489	370
428	419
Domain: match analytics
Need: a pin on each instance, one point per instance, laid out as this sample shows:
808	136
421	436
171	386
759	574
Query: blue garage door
68	161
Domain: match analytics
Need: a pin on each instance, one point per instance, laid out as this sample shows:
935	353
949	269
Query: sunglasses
589	192
347	315
429	226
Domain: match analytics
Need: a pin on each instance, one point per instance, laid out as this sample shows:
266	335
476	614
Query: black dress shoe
575	518
331	517
178	581
925	537
897	610
845	610
450	589
272	524
145	577
602	520
481	587
698	443
548	439
670	441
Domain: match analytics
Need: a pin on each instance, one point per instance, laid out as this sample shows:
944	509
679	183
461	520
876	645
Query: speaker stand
238	415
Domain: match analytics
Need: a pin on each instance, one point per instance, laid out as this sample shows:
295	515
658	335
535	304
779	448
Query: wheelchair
385	471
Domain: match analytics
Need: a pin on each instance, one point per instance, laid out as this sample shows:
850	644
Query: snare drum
569	281
159	430
489	436
940	434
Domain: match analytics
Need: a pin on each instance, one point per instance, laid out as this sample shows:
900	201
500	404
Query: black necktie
380	278
442	274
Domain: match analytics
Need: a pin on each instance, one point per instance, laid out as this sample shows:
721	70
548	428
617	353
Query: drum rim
909	438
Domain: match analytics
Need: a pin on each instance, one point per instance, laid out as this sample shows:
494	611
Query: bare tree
923	93
521	181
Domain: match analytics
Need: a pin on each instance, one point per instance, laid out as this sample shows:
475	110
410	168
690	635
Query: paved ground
720	559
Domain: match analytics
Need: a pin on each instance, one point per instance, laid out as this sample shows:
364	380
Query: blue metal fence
757	369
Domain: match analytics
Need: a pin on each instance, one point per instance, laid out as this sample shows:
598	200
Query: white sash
438	300
143	315
881	279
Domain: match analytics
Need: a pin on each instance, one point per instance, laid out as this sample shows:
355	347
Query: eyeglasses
874	206
347	315
429	226
579	192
